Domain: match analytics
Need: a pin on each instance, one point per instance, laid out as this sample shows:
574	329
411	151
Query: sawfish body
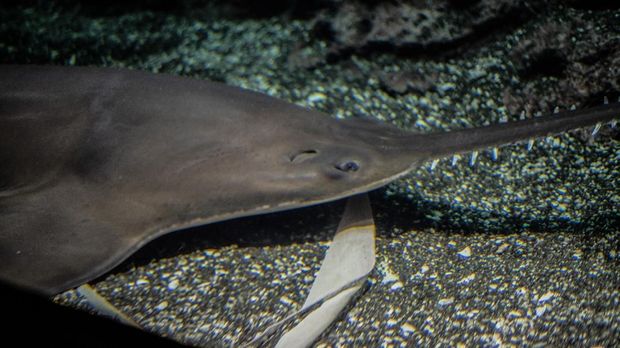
97	162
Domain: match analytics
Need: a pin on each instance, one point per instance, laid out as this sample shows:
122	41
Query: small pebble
465	253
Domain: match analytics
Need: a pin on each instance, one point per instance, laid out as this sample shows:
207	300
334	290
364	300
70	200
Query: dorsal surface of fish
97	162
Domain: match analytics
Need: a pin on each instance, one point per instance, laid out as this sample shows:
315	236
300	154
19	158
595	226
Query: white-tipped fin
103	307
350	256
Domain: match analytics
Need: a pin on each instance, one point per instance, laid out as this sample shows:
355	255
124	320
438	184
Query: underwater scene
211	231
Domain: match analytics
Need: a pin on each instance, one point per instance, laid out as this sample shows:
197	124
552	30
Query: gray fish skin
97	162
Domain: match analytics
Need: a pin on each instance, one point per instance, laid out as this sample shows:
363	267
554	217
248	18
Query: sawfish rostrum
97	162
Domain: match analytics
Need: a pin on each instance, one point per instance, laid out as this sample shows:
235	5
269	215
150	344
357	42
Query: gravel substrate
521	250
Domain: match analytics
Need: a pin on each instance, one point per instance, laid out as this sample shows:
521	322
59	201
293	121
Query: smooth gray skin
97	162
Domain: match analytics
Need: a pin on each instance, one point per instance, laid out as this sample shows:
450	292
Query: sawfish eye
348	166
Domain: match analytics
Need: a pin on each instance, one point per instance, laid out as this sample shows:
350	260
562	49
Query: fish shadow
394	214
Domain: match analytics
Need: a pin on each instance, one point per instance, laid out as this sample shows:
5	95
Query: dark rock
416	25
585	64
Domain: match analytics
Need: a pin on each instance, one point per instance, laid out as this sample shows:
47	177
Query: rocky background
520	250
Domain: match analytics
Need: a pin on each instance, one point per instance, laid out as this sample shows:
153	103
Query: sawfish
97	162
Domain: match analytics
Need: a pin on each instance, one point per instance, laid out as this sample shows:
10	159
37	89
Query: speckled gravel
522	250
